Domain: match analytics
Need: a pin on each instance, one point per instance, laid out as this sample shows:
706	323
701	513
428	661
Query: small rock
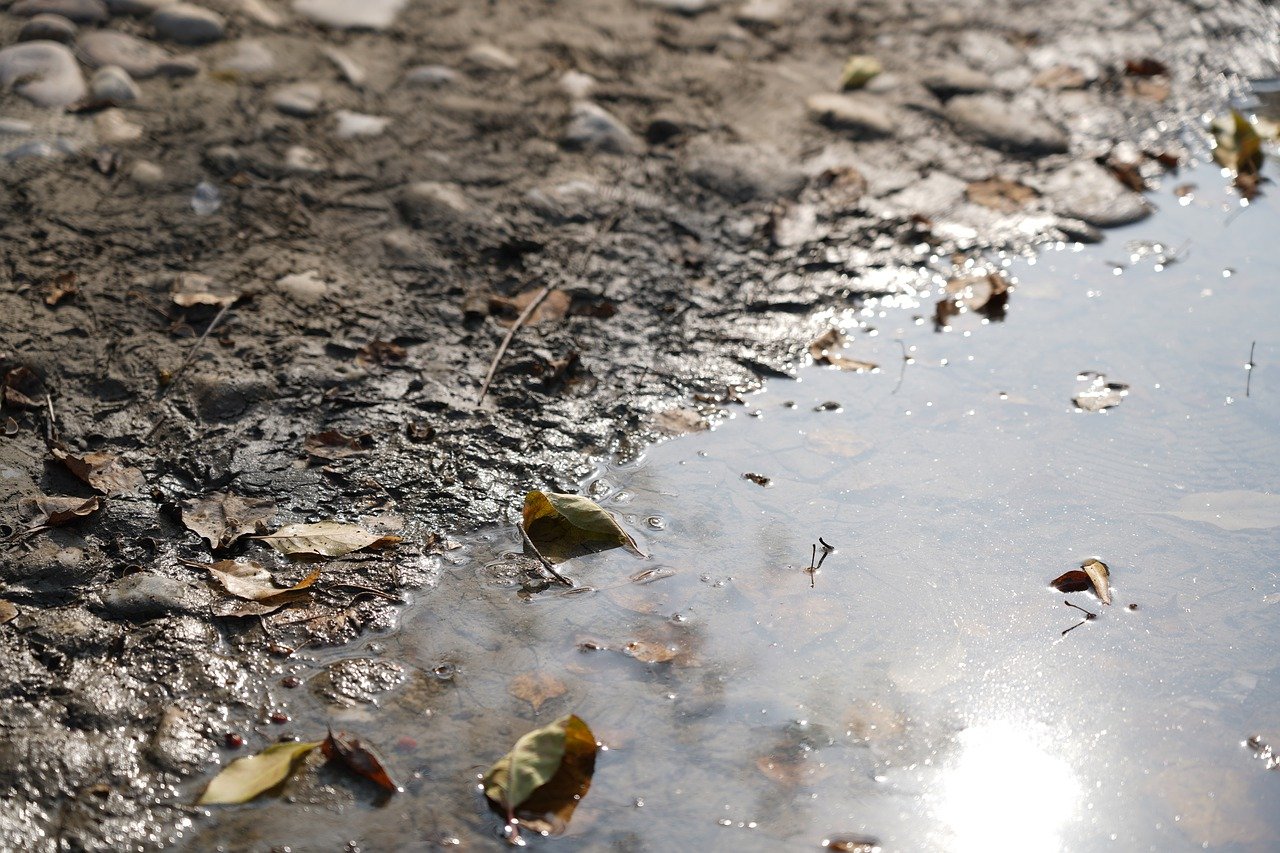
352	125
1000	124
80	11
1088	192
301	100
15	127
179	66
113	86
859	113
220	398
762	13
115	129
428	203
179	744
48	28
306	287
206	200
44	72
489	57
347	67
742	173
683	7
146	595
577	200
430	75
577	85
141	59
259	11
135	7
74	630
247	58
593	128
42	150
350	14
188	24
303	161
144	173
1080	232
947	81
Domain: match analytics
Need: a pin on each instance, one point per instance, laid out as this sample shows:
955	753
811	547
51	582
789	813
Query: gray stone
43	72
303	161
428	203
48	28
80	11
762	13
430	75
146	595
576	85
141	59
352	125
489	57
302	100
999	124
146	174
247	58
15	127
41	149
114	128
593	128
179	744
349	14
306	287
350	70
135	7
188	24
742	173
1088	192
73	630
179	66
113	85
683	7
859	113
947	81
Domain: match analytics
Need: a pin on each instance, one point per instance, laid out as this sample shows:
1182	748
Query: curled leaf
325	539
245	778
1239	147
358	758
221	518
536	688
59	510
1100	577
105	472
7	611
1072	581
545	775
561	526
249	580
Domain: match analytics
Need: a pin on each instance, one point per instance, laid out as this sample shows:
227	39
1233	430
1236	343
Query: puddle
918	687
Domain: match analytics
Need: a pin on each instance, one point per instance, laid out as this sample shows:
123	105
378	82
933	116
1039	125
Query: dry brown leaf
358	758
221	517
381	352
23	389
61	288
1000	195
58	510
554	307
649	651
7	611
1072	581
987	294
325	539
679	421
536	688
1100	575
249	580
240	609
332	444
823	351
105	472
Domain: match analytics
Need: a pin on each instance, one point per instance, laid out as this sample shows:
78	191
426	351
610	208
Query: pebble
591	127
430	75
352	125
426	203
762	13
80	11
48	28
144	173
15	127
135	7
489	57
577	85
306	287
146	595
301	100
188	24
349	14
947	81
861	114
247	58
114	128
112	85
999	124
742	173
179	66
141	59
42	150
303	161
44	72
1088	192
347	67
683	7
206	200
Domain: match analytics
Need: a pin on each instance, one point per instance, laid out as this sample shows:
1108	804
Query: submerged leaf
1237	510
105	472
536	688
221	518
325	539
1100	577
246	778
560	526
823	349
1099	394
358	758
546	774
249	580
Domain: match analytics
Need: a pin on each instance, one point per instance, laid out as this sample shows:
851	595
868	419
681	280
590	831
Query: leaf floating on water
1100	576
859	71
647	576
7	611
221	517
1000	195
560	526
545	775
1073	581
105	472
325	539
823	349
1099	394
536	688
249	580
332	444
1239	147
245	778
759	479
852	844
1236	510
358	758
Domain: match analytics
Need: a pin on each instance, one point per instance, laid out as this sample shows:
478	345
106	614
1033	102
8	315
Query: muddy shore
282	222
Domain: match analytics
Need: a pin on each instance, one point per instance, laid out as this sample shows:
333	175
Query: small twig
1249	369
506	340
1087	614
191	353
546	564
902	374
51	428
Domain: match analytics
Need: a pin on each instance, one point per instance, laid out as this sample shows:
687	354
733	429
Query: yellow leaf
245	778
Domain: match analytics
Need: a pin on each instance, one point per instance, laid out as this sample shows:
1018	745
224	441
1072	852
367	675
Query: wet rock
999	124
113	85
1080	232
146	595
185	23
141	59
301	100
741	174
248	58
179	744
430	75
352	125
59	560
593	128
179	66
219	397
44	72
947	81
1088	192
348	15
99	695
579	200
114	128
303	161
48	28
358	680
69	630
135	7
79	11
861	114
489	57
306	287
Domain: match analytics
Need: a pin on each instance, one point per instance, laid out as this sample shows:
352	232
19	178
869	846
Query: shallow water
917	688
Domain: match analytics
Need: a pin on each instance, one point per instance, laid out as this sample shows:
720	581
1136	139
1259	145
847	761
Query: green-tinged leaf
561	526
1237	510
546	774
245	778
325	539
1100	577
1239	147
859	71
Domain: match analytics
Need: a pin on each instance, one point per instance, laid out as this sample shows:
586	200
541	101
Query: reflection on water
917	687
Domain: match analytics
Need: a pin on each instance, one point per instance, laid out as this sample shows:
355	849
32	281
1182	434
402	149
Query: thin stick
191	353
506	341
51	428
546	564
1249	369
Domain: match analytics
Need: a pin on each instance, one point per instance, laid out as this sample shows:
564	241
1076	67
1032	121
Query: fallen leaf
1099	394
822	350
7	611
1100	577
59	510
554	307
105	472
545	775
1236	510
1145	67
1072	581
536	688
246	579
245	778
852	844
332	444
679	421
244	609
62	287
192	289
1239	147
221	517
986	294
325	539
560	526
759	479
1000	195
381	352
649	651
23	389
859	71
358	758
